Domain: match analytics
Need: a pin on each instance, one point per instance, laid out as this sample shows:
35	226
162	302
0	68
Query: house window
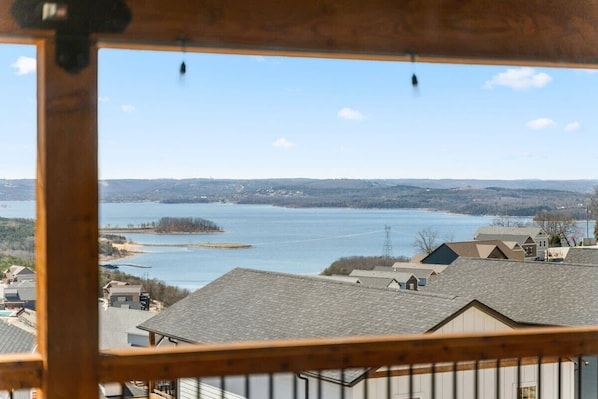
528	392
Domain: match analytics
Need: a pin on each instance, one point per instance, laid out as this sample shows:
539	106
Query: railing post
67	227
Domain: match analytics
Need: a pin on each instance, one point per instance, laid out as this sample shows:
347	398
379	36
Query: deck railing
556	354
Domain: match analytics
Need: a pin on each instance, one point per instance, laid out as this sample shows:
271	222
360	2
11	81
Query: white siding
422	384
473	320
234	387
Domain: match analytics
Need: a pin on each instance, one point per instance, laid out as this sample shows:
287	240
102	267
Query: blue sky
260	117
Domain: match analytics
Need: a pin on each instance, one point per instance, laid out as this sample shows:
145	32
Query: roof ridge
525	262
347	283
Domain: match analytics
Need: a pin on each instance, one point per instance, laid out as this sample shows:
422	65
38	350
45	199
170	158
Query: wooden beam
19	371
67	227
477	31
306	355
543	32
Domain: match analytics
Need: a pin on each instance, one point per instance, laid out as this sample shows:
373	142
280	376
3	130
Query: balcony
68	363
532	362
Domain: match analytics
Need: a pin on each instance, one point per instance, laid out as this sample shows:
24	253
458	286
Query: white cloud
351	114
572	127
25	65
259	58
283	143
541	123
127	108
103	99
519	79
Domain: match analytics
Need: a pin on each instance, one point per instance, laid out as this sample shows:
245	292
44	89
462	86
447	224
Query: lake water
301	241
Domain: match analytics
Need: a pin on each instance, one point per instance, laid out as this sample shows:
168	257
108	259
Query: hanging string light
183	67
414	81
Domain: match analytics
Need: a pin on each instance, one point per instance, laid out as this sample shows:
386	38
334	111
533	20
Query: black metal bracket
74	21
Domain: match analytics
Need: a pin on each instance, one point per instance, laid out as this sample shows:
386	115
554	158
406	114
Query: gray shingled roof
15	339
527	292
533	232
401	277
518	238
378	282
582	256
245	305
115	323
418	272
25	289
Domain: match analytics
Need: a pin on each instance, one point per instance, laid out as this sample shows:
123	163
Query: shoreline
218	245
133	249
150	230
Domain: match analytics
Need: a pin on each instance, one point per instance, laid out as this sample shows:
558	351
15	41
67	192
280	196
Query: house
418	265
251	305
20	295
525	241
579	255
341	277
118	329
510	233
15	338
17	273
423	275
110	284
126	296
526	293
375	282
381	282
446	253
532	293
406	280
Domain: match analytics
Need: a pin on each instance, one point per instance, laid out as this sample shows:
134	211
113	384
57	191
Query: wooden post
67	227
152	344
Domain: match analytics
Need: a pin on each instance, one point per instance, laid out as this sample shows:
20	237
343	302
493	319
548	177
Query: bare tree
449	237
426	240
506	221
556	224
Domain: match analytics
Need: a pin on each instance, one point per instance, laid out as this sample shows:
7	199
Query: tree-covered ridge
17	245
7	261
106	248
465	196
186	225
17	234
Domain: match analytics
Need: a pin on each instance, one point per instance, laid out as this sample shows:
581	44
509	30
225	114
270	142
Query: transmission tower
387	249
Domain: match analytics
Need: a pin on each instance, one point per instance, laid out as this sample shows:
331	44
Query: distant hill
17	190
577	186
479	197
